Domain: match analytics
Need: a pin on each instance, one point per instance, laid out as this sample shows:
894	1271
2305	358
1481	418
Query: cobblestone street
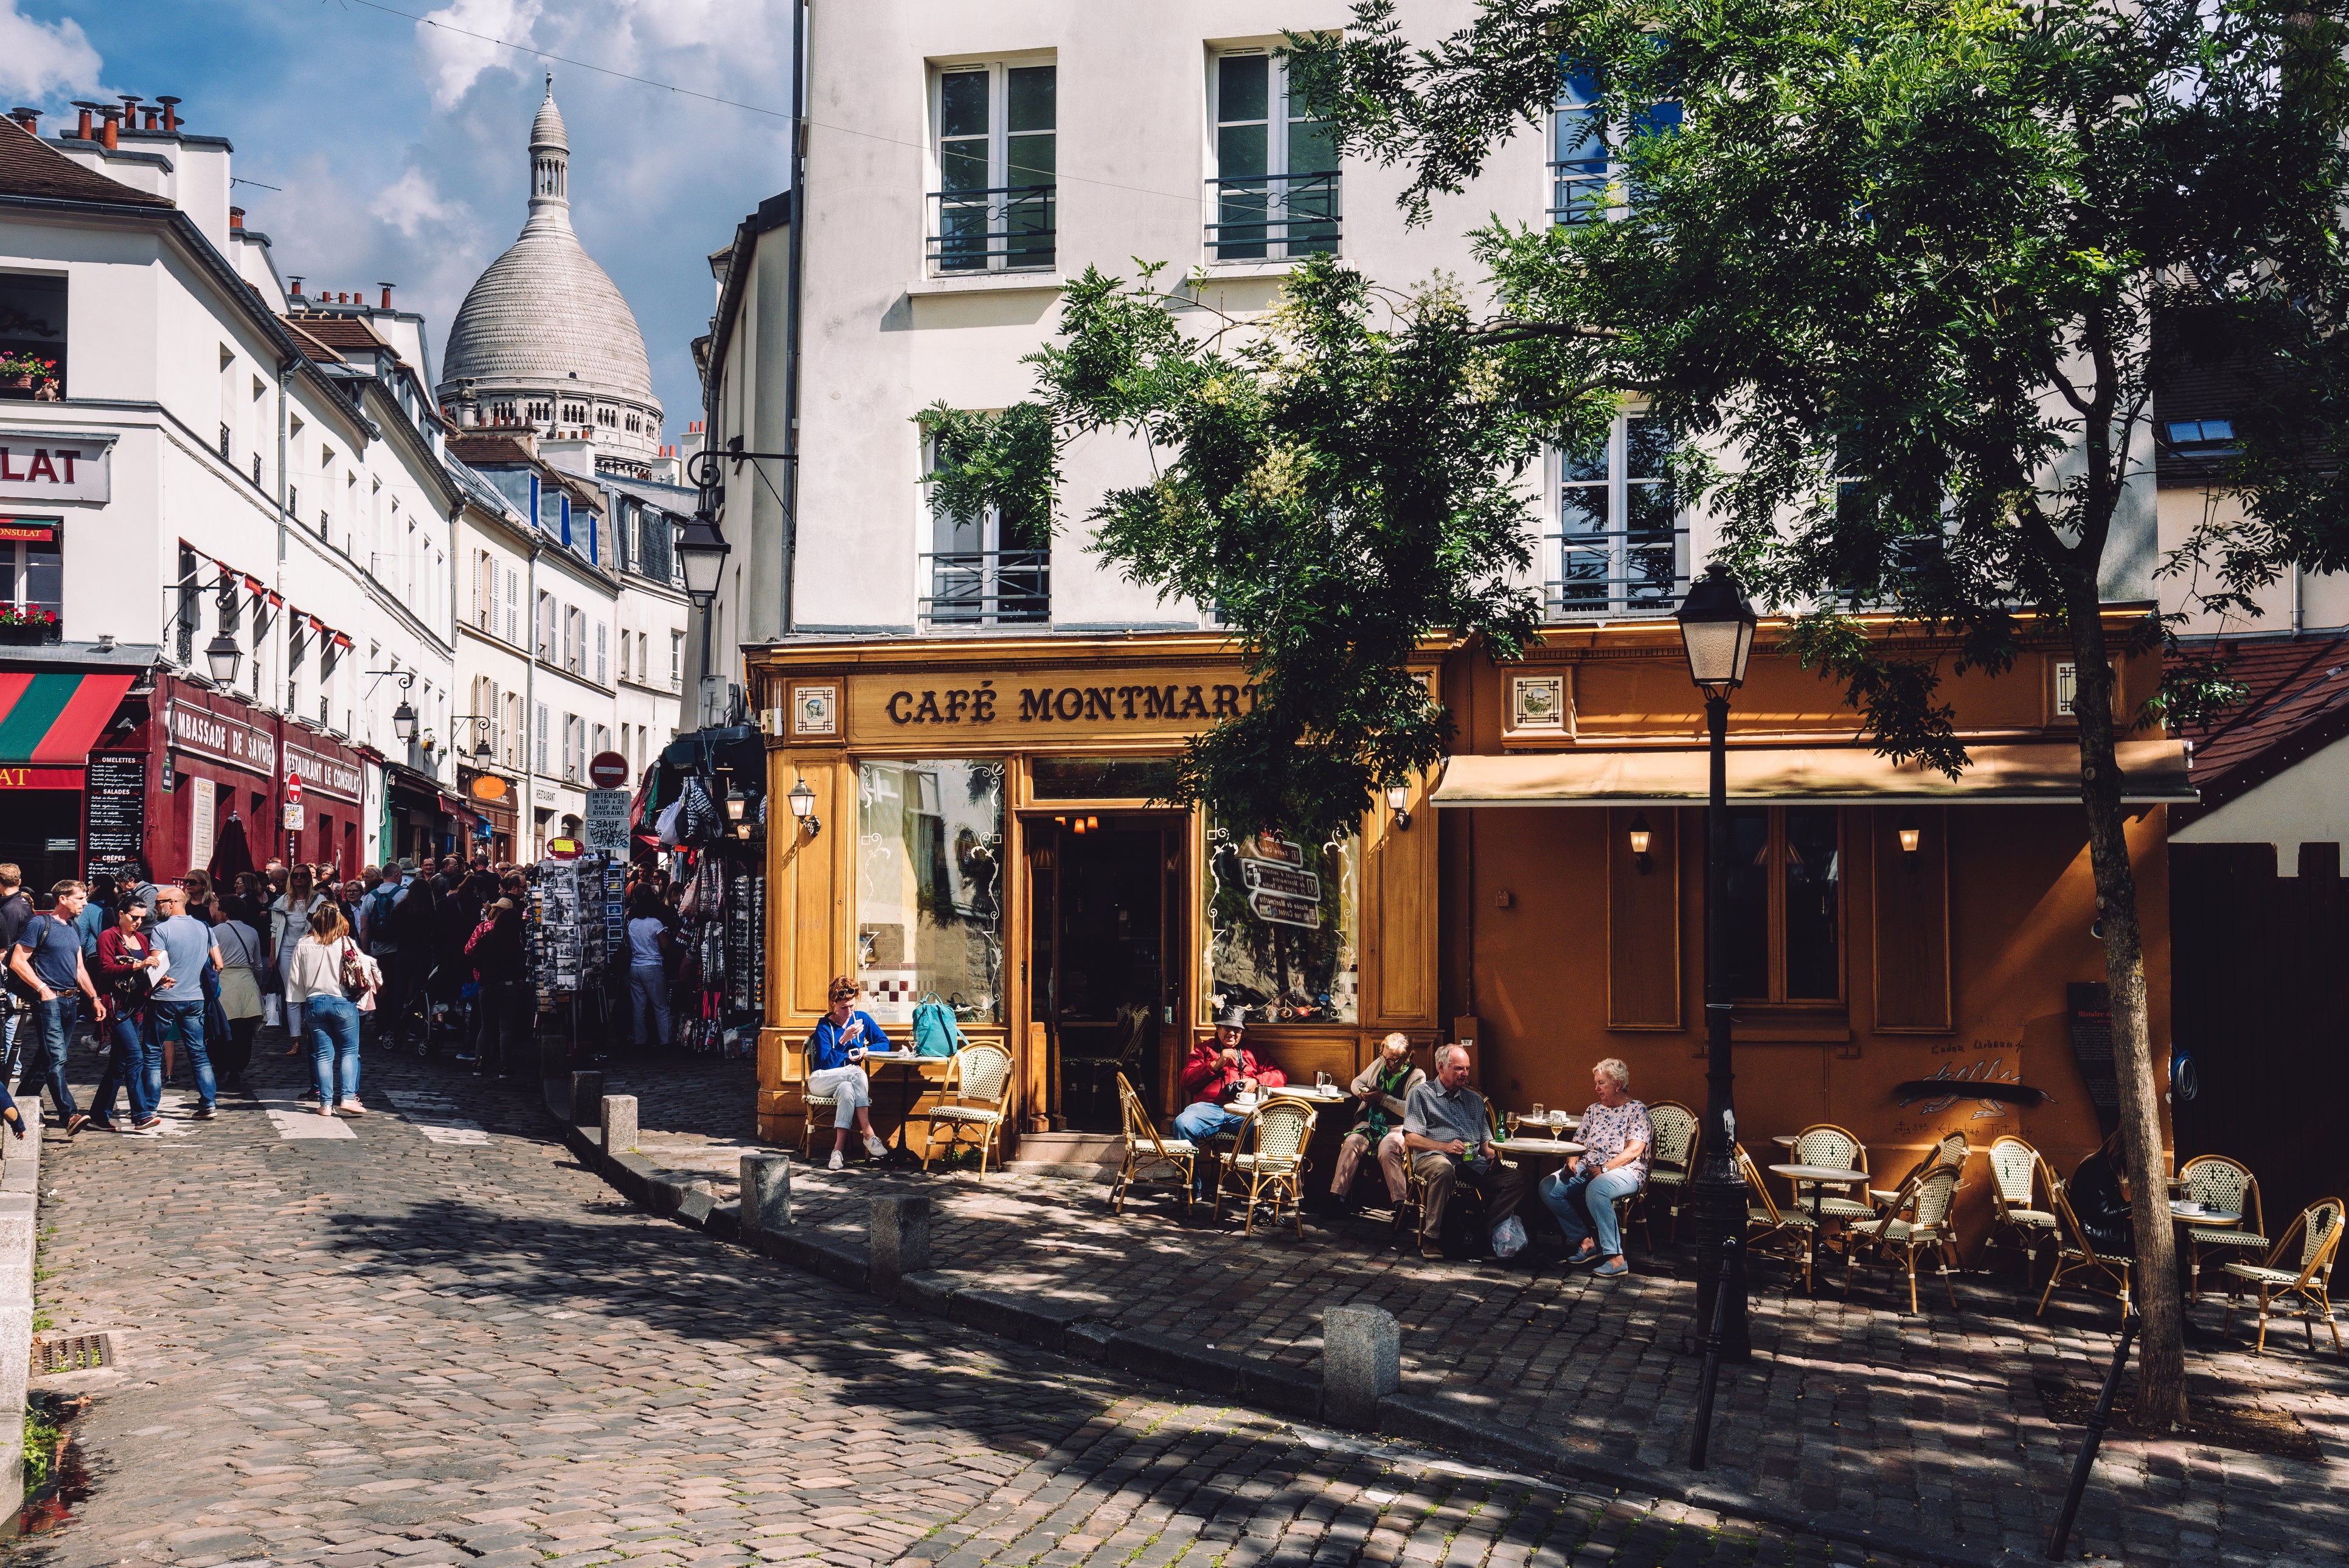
1932	1424
425	1335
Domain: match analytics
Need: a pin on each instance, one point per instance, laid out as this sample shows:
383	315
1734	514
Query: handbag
239	989
360	976
936	1032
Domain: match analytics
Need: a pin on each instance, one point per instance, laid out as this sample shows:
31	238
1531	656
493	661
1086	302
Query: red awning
55	718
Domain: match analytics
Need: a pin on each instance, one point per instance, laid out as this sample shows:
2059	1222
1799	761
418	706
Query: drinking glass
1510	1119
1537	1113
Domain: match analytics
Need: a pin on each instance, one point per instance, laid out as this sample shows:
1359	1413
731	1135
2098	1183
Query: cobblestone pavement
1929	1423
436	1340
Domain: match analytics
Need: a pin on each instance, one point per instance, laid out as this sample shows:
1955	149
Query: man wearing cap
1216	1071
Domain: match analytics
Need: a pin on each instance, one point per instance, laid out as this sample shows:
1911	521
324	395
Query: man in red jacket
1214	1073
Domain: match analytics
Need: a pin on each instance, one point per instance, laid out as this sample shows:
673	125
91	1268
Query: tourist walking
314	976
178	1003
129	966
508	1001
289	923
649	944
46	958
239	944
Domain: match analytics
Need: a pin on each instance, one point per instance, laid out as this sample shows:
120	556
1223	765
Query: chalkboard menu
2089	1006
116	792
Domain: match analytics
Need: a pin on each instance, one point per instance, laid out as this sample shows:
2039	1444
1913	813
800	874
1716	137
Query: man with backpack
46	957
380	937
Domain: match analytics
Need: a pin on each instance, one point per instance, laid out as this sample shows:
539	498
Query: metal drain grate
74	1352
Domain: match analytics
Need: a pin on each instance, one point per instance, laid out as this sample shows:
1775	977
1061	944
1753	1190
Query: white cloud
450	61
412	203
37	59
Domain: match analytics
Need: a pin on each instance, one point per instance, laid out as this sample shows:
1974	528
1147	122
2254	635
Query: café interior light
1640	839
802	802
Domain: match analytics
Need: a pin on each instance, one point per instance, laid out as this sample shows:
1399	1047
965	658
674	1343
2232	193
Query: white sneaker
351	1107
837	1163
875	1148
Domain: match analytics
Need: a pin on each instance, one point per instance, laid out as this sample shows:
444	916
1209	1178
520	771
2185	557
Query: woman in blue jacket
835	1054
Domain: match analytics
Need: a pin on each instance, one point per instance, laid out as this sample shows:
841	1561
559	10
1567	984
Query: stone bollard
586	1098
766	1196
900	1241
620	1117
1361	1362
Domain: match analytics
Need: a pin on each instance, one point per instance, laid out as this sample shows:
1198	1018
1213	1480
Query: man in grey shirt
1448	1129
179	1000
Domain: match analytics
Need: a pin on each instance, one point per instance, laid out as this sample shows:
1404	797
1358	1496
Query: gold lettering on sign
1071	703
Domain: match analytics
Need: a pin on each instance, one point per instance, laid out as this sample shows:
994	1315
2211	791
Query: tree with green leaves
1901	275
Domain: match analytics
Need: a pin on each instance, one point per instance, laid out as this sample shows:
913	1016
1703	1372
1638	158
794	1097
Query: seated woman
1617	1139
1381	1088
2100	1202
835	1057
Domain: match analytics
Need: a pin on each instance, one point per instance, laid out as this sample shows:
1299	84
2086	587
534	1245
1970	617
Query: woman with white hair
1617	1139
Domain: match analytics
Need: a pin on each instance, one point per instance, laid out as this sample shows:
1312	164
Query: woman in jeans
314	982
289	919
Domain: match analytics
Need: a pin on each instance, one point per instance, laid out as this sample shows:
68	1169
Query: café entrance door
1106	893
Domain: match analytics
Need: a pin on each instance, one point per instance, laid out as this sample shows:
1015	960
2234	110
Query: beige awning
2036	773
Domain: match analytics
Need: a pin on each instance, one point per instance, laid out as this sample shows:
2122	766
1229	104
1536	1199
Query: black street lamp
1717	634
701	550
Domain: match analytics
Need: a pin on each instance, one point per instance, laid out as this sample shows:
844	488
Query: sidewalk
1930	1424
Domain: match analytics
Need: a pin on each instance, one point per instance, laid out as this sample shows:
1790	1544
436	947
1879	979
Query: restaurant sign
1067	703
45	466
326	774
200	732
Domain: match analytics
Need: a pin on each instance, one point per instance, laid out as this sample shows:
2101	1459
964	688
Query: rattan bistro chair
1917	1220
1268	1157
2017	1177
2075	1254
1766	1225
973	1100
2319	1230
1827	1144
1951	1151
1669	1165
1149	1155
2215	1181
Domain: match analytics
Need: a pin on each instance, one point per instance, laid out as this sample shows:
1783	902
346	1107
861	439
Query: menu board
2090	1008
117	794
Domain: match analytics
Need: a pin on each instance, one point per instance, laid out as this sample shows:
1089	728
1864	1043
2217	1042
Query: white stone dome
545	327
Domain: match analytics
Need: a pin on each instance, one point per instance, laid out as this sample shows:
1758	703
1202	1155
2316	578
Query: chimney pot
386	294
236	218
297	286
171	111
108	133
30	118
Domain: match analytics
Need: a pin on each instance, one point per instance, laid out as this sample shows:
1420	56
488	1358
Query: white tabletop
1785	1139
1538	1146
886	1058
1825	1173
2197	1214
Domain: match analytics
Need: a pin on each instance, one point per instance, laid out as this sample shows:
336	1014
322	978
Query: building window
546	626
996	205
572	735
1586	171
929	898
1275	191
32	568
541	738
1614	543
984	572
603	653
1282	920
1785	903
574	639
33	325
676	661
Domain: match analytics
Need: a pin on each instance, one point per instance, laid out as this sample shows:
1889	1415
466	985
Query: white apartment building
241	485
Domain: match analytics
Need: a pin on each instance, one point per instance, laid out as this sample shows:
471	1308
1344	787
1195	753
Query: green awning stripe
28	723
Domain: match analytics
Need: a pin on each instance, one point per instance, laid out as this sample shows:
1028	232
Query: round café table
902	1158
2185	1214
1821	1177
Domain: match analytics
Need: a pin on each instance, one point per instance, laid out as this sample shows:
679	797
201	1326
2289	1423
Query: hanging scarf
1378	1121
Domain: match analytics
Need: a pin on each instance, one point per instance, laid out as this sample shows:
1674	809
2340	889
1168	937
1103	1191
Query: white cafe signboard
53	465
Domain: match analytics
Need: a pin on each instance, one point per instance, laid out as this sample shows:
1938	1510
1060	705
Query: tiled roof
2297	704
476	447
319	353
30	167
342	331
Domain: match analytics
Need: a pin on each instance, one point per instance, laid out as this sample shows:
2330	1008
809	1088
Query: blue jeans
56	1020
187	1020
126	1069
1593	1190
1202	1118
333	1025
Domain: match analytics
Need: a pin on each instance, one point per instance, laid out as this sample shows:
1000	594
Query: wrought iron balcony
1641	573
1007	228
1272	216
989	588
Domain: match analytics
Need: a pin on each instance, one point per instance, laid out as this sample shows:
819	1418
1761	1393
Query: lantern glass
703	550
1717	630
220	657
403	722
1398	794
1640	834
1913	835
803	800
735	801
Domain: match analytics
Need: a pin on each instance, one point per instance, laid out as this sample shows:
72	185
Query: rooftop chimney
297	286
386	294
154	116
87	110
171	112
108	134
236	218
30	118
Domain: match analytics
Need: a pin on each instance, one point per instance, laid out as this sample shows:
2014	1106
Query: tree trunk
2161	1361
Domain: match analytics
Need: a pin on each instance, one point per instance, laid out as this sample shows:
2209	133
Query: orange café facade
988	836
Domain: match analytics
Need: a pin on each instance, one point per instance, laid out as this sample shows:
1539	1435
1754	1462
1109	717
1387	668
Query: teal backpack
936	1032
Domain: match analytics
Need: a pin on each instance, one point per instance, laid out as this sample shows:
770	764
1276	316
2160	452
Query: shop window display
1283	927
929	887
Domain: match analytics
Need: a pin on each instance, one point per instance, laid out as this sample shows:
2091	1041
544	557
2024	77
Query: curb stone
1068	1328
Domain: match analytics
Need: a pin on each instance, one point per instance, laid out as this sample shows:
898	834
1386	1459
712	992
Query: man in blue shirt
47	957
835	1057
179	1001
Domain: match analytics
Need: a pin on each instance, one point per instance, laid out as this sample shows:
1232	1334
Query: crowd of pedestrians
176	982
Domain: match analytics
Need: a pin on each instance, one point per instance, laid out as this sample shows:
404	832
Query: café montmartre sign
1105	700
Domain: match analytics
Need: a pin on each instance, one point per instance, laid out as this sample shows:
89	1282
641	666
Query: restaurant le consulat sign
50	466
1073	705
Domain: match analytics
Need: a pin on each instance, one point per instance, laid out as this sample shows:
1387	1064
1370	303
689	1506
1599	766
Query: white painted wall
2305	804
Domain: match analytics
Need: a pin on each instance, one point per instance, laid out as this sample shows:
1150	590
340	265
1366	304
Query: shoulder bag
239	989
360	976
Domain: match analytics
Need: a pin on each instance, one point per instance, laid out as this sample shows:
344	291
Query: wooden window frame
1775	960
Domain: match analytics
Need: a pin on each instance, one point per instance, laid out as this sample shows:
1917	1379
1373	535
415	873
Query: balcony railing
1009	228
1259	217
1642	573
989	588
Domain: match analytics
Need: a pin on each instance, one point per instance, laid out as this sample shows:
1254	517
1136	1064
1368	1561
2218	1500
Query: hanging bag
936	1032
360	976
240	992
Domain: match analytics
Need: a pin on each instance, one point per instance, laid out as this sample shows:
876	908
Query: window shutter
603	654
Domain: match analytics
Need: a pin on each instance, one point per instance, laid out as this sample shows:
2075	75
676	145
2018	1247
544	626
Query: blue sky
398	147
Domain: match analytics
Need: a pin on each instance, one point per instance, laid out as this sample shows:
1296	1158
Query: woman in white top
314	982
289	923
648	941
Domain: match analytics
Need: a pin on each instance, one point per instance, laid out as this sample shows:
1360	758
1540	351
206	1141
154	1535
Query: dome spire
550	163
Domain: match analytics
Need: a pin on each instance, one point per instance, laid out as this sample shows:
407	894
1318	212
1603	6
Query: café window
1101	778
32	571
1785	903
929	887
1283	926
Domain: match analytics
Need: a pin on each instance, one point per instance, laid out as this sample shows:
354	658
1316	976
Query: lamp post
1717	634
701	550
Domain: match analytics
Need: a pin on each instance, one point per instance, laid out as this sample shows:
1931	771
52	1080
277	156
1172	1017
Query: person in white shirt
648	942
